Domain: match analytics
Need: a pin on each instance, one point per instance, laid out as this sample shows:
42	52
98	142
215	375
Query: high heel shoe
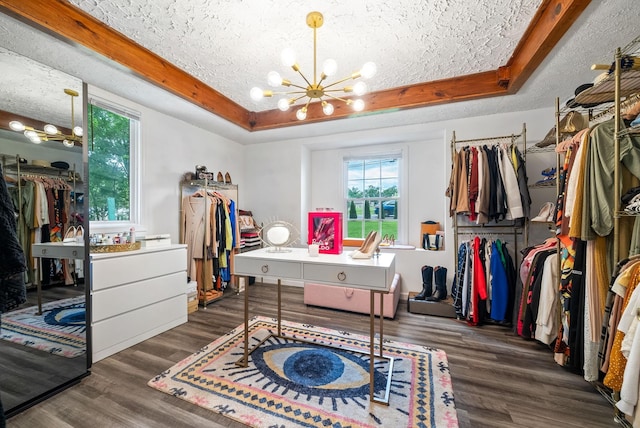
70	236
367	239
227	178
385	241
80	235
368	247
546	213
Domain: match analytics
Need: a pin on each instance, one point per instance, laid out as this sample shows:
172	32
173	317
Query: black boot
427	283
440	275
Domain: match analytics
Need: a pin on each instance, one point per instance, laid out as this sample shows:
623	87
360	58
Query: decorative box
325	229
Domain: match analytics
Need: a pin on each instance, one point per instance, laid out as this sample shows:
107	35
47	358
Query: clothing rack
513	229
189	187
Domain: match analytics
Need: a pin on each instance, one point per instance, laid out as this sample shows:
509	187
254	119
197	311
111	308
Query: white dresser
136	295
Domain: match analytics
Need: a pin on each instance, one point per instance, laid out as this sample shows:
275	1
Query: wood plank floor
499	379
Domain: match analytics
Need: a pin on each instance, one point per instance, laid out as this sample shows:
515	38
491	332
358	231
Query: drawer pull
74	252
342	276
264	268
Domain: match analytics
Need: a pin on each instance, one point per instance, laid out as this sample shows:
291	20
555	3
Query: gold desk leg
380	295
246	325
38	269
372	318
279	307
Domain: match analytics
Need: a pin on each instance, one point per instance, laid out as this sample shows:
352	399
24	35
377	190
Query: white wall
284	180
276	175
169	148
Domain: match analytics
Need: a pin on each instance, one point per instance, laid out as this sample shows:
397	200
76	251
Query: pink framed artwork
325	229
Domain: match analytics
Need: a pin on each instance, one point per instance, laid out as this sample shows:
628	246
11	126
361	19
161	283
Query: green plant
352	210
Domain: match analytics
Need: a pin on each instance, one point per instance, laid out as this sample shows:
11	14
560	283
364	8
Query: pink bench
352	299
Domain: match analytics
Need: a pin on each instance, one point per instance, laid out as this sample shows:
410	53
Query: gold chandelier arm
302	75
304	93
344	100
297	86
353	76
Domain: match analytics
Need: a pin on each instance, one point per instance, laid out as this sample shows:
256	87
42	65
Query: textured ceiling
231	46
480	40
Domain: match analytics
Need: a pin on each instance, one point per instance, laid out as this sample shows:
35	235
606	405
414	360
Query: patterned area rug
291	384
59	330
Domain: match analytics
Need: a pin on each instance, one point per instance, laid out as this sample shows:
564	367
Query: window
372	195
114	135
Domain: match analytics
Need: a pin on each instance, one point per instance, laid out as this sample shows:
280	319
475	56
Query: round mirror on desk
278	235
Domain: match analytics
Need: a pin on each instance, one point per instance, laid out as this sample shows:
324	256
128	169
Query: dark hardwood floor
499	379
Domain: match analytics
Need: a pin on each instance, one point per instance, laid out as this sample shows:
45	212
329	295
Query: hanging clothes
488	183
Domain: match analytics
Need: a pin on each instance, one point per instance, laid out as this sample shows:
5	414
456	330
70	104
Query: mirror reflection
43	336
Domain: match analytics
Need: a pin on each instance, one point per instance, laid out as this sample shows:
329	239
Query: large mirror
43	337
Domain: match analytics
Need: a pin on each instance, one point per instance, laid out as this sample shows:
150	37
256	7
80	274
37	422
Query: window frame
135	139
403	191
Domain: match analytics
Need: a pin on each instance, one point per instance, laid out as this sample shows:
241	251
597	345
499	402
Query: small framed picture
325	229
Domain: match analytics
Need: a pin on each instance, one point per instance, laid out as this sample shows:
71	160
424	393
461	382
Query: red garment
479	283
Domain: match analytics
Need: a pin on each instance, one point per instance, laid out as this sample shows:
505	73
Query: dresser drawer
134	266
271	268
371	278
58	250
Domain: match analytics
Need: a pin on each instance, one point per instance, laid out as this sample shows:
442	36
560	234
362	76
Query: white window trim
135	162
402	153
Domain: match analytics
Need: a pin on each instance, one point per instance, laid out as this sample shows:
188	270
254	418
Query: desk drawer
58	251
351	276
271	268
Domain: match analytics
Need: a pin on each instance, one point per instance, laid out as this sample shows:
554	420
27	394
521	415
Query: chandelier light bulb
288	57
35	139
329	67
16	126
368	70
256	94
302	113
67	143
327	108
30	134
50	129
78	131
358	105
360	88
283	104
274	79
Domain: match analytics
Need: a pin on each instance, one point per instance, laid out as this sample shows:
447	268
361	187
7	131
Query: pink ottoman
352	299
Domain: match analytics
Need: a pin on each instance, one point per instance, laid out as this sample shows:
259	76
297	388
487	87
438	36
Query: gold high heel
367	239
368	247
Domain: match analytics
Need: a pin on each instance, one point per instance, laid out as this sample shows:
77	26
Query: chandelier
51	132
316	89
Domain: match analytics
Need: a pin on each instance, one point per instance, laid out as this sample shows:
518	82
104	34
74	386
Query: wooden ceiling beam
62	19
71	23
551	21
472	86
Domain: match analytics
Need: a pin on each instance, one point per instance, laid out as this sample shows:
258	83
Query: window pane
109	165
355	170
372	194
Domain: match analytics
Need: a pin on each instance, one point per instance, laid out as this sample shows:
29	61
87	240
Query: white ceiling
231	46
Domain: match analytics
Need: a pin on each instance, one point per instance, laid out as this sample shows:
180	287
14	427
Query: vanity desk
375	274
53	250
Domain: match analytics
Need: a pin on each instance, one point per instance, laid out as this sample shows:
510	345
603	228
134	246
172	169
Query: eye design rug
291	384
59	330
